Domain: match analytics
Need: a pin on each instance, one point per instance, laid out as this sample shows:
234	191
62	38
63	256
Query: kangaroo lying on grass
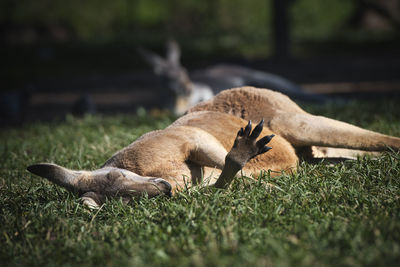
206	143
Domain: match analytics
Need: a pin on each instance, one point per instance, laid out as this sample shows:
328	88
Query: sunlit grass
346	214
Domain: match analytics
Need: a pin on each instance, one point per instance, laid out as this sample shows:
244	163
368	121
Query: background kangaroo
197	144
202	84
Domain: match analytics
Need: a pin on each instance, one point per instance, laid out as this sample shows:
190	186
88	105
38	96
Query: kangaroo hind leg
303	130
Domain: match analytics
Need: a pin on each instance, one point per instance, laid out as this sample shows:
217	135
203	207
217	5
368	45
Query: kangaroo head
108	181
170	68
187	93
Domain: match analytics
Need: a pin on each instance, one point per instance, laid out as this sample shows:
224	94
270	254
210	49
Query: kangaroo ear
158	64
46	170
173	53
54	173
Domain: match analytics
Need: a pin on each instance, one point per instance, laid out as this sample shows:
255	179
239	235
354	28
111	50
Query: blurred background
60	57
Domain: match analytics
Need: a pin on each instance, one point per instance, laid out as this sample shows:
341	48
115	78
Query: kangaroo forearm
231	168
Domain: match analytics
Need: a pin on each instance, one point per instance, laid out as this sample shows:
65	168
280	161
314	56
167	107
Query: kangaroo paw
92	200
246	147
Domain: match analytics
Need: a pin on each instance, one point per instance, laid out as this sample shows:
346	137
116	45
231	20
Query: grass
347	214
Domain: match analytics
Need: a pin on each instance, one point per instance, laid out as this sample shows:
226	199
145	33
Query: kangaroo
213	141
202	85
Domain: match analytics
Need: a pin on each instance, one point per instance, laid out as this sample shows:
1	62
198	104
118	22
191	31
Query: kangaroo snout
163	186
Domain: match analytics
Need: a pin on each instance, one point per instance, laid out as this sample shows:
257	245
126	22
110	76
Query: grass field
347	214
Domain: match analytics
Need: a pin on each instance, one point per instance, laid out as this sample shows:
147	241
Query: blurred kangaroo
206	143
201	85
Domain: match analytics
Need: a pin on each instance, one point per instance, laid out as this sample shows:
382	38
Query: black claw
257	130
265	140
240	133
265	149
247	130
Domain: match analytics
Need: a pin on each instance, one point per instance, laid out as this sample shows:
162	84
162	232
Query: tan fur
301	129
194	141
210	125
197	145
